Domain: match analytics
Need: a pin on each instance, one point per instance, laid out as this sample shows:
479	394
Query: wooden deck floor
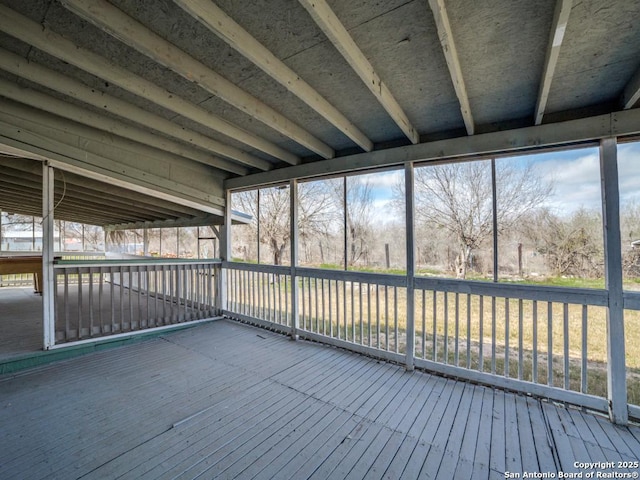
20	321
226	400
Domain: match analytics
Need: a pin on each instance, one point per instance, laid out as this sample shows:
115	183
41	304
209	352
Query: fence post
293	238
48	274
411	265
616	366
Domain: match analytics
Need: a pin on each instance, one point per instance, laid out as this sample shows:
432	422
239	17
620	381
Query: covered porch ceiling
194	97
93	202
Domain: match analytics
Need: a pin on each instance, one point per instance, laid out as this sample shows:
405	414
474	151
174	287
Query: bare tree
572	246
458	198
314	202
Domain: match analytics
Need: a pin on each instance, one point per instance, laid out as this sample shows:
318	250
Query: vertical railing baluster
446	328
434	339
344	311
100	293
112	301
456	354
303	316
147	291
468	330
286	301
520	339
139	285
506	337
91	316
583	371
353	313
550	344
565	325
131	325
395	318
315	292
79	299
330	310
67	326
274	291
360	311
534	370
386	316
324	321
424	324
493	335
369	311
481	334
338	308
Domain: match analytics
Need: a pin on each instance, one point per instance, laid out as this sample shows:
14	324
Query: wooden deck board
226	400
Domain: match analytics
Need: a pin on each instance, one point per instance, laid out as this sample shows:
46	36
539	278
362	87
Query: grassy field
459	329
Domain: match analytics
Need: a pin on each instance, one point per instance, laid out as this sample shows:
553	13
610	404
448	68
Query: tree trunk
462	262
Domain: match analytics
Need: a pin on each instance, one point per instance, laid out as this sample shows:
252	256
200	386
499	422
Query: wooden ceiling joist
118	24
445	35
556	36
70	111
32	33
67	86
631	94
329	23
235	36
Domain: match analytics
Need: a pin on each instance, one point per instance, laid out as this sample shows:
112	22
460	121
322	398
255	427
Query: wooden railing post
617	375
225	253
293	225
48	274
411	264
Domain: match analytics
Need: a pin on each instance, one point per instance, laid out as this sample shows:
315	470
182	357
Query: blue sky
575	175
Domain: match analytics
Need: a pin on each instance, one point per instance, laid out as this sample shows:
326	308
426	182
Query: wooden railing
547	341
99	298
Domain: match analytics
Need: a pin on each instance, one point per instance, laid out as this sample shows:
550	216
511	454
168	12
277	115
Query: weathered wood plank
525	434
229	400
497	458
541	437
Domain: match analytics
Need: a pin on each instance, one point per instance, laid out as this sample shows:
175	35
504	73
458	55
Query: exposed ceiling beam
556	36
181	222
72	112
89	152
67	86
631	94
342	40
233	34
32	33
445	35
121	197
548	135
128	30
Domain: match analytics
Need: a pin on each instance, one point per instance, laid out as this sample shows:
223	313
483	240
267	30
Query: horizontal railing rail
99	298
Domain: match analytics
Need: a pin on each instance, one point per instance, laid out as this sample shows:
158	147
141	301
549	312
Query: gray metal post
48	276
617	375
411	264
293	236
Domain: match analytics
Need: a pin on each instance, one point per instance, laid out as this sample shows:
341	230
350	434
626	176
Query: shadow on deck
232	401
